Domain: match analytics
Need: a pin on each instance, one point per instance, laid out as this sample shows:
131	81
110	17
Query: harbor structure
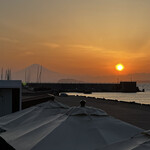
86	87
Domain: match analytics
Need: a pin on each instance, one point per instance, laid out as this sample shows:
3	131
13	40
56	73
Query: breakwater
85	87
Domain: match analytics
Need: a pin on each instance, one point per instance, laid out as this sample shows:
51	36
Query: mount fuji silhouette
36	72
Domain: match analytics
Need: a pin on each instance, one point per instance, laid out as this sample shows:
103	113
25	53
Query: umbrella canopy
78	128
41	112
138	142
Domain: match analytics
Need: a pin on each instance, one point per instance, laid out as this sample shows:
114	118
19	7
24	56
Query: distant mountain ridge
37	73
69	81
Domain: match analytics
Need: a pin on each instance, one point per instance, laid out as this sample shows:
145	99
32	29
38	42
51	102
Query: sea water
139	97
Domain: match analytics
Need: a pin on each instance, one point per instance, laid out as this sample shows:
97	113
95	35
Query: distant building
10	96
128	87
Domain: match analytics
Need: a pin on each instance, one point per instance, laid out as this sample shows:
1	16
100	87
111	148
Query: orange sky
76	37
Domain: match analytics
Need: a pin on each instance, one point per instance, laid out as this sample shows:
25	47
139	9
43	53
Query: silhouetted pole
2	74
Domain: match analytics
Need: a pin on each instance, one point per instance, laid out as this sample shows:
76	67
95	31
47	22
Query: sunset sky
76	36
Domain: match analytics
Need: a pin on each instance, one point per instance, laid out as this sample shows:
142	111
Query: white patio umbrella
138	142
41	112
80	128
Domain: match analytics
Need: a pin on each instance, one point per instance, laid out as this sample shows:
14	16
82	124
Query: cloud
86	47
95	49
50	45
108	53
29	53
26	53
6	39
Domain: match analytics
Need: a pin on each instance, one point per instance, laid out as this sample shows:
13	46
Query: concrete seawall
86	87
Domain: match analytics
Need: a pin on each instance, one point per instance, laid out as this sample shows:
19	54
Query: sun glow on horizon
119	67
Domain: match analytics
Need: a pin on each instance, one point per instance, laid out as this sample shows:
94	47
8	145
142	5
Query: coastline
130	112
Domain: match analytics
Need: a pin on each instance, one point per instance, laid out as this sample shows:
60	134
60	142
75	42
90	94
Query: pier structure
85	87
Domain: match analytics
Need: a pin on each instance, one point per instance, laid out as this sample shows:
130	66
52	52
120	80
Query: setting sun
119	67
